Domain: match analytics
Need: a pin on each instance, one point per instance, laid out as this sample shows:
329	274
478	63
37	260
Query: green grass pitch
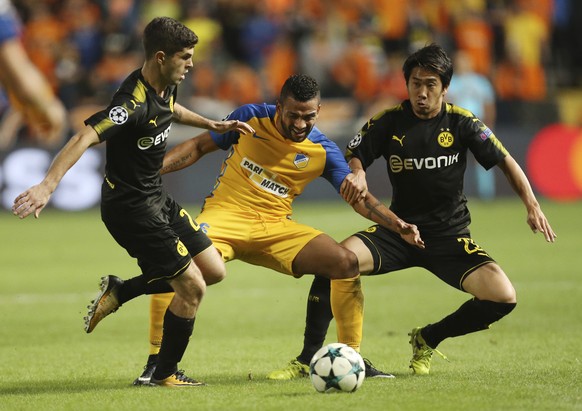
253	322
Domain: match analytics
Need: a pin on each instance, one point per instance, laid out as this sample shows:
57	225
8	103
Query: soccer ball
337	367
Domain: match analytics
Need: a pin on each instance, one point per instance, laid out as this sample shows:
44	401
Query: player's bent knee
191	295
190	285
503	293
214	276
508	296
346	265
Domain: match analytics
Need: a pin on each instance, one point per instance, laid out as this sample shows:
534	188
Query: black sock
474	315
136	286
158	287
177	332
318	317
153	358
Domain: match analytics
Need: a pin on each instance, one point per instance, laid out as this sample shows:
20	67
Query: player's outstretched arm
520	184
36	197
187	117
373	209
188	152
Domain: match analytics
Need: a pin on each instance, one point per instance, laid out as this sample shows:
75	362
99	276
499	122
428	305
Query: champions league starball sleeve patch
355	141
118	115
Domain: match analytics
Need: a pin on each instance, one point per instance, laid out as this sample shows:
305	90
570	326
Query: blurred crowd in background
355	48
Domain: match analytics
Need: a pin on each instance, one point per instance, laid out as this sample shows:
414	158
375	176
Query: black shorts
450	258
162	244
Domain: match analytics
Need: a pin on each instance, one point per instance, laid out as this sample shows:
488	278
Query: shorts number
195	226
471	246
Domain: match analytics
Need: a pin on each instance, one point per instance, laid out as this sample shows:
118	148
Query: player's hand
31	201
538	222
354	187
410	234
230	125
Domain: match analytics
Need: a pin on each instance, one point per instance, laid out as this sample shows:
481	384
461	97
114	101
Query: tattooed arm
188	152
373	209
354	191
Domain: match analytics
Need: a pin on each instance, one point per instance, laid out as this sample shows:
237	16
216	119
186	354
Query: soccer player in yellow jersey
248	213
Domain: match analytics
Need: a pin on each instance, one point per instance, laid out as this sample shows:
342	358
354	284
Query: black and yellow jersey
264	172
426	162
135	127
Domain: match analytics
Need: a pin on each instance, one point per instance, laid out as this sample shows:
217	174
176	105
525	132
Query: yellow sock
347	305
158	305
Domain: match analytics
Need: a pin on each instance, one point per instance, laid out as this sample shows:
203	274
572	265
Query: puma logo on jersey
399	140
154	121
135	105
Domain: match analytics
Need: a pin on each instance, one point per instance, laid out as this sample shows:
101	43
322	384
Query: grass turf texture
252	323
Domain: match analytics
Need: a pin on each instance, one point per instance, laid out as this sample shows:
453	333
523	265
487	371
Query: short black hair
168	35
300	87
432	57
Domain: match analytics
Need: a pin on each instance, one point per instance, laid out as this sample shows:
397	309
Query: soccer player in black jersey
425	141
171	250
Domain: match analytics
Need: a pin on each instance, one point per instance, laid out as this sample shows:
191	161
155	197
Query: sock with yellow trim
347	305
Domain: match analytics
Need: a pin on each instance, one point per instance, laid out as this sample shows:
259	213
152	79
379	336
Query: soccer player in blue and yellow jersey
425	142
171	250
248	214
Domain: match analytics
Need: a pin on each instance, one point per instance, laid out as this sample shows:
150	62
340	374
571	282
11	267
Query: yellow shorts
250	237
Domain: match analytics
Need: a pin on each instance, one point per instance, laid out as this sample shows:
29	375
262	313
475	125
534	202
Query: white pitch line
27	299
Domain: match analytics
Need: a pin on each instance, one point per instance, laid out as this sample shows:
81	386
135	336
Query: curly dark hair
168	35
300	87
432	57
